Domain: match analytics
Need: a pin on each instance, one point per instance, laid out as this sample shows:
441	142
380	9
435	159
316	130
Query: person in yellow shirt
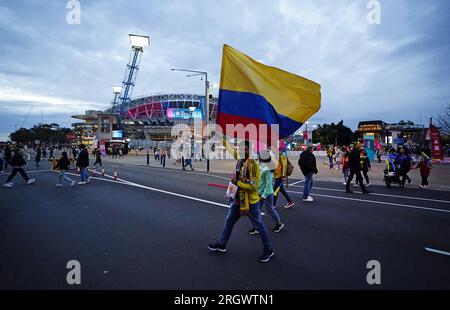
279	176
246	202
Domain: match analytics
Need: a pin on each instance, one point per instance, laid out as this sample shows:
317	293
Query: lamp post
116	91
196	73
138	42
192	110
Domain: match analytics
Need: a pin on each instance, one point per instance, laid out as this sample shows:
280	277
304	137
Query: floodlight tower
116	91
138	42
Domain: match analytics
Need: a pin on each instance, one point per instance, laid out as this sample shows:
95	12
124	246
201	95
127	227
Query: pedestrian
38	156
8	156
308	166
44	152
63	165
425	168
345	164
330	154
17	162
2	155
188	162
278	185
379	153
338	157
163	157
404	160
365	166
265	190
355	169
83	164
51	154
246	202
98	157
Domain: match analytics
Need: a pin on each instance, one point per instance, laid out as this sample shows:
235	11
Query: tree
337	134
443	121
46	133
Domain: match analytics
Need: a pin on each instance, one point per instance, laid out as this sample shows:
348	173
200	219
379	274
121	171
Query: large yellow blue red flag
253	93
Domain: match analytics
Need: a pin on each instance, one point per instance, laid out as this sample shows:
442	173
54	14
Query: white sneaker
9	184
345	183
355	185
31	181
309	199
81	183
368	185
89	180
72	184
289	205
58	185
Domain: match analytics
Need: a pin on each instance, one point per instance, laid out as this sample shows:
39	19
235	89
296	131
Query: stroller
392	173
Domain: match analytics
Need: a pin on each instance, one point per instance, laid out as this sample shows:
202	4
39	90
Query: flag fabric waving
253	93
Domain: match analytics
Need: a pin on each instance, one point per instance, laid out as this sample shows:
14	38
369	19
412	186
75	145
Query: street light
192	110
116	91
196	73
139	41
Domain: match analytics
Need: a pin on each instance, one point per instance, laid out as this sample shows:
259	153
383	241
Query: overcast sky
391	71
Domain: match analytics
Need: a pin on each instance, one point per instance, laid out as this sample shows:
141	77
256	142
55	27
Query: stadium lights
117	89
138	41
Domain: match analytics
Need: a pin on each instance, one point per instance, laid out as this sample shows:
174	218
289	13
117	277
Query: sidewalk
439	178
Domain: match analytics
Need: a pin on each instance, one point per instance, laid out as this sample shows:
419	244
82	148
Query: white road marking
295	183
437	251
387	195
377	202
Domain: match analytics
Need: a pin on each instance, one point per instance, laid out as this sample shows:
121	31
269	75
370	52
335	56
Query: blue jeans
268	203
234	214
308	185
84	174
63	176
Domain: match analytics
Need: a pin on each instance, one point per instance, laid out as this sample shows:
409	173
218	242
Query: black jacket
63	163
354	160
307	163
18	160
83	159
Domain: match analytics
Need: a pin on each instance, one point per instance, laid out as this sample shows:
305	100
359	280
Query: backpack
289	168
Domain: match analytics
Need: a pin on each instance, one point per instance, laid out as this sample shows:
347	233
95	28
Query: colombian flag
253	93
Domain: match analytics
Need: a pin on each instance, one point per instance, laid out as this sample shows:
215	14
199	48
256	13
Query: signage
117	134
173	113
436	146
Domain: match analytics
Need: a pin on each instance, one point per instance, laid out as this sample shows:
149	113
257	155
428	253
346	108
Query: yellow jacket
249	177
280	171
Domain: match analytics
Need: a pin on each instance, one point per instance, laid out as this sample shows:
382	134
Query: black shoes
349	191
266	256
278	228
217	247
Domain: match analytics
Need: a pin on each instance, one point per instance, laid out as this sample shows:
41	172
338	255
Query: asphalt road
150	231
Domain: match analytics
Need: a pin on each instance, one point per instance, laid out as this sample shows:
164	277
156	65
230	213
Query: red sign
70	136
436	146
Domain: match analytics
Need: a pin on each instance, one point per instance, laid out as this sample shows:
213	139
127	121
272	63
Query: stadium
147	118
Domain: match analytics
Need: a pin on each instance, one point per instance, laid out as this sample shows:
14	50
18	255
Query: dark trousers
279	183
163	160
98	161
424	179
366	177
359	180
14	172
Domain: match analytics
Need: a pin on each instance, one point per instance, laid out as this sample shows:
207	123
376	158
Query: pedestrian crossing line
384	195
437	251
377	202
295	183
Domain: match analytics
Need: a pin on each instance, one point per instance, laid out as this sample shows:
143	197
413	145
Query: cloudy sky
396	70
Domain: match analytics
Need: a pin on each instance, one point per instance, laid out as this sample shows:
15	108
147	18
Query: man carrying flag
261	103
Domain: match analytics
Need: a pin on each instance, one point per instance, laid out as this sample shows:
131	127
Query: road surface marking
377	202
178	171
387	195
295	183
437	251
125	182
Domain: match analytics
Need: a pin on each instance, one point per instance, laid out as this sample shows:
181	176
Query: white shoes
9	184
345	183
72	184
309	199
59	185
31	181
81	183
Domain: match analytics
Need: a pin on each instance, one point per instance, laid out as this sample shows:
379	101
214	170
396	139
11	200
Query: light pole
192	110
196	73
116	91
138	42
